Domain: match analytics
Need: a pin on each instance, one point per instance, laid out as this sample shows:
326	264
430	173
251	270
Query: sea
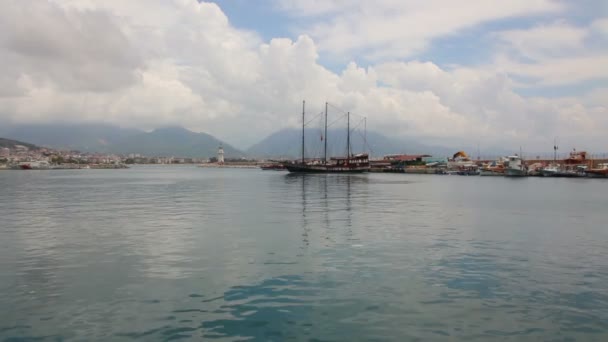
159	253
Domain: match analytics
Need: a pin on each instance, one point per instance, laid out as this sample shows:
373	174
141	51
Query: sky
454	73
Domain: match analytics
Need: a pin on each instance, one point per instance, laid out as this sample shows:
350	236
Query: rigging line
359	124
366	143
338	119
338	108
313	119
344	112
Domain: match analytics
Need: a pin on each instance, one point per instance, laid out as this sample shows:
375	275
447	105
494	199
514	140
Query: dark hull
597	174
325	169
272	168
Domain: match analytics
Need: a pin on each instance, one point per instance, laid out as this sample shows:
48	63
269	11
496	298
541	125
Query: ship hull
515	173
487	173
325	169
597	174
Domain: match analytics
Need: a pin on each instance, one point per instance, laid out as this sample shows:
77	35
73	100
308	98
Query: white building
220	155
5	152
21	148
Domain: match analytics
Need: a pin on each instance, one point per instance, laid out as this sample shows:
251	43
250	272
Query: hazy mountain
11	144
83	137
170	141
287	143
174	141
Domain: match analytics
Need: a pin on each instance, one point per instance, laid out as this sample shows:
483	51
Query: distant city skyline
510	74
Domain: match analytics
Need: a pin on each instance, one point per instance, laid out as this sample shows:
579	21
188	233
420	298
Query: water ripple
184	253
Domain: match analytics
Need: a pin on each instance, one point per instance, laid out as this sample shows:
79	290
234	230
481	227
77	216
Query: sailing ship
351	163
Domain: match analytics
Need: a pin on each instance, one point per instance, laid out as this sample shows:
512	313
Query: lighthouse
220	155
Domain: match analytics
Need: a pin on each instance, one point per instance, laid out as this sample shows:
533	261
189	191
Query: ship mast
325	137
303	123
348	138
555	150
364	133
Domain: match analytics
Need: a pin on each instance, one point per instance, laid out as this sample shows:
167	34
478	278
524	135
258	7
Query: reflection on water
164	253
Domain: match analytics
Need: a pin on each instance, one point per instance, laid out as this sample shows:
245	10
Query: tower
220	155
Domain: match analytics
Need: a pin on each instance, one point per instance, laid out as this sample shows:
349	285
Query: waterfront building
435	160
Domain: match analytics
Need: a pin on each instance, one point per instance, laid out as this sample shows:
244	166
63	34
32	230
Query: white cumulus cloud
149	64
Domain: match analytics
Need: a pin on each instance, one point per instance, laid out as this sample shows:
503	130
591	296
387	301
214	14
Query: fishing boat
552	170
516	167
600	172
496	168
351	163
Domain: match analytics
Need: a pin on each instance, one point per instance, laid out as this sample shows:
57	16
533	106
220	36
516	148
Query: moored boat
496	168
516	167
552	170
600	172
490	172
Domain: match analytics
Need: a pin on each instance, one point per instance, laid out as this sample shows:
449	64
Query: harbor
576	165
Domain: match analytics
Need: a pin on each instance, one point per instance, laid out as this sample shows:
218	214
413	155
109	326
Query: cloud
545	41
68	49
150	64
552	54
389	29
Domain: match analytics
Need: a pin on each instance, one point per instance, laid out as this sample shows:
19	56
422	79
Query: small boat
552	170
496	168
516	167
600	172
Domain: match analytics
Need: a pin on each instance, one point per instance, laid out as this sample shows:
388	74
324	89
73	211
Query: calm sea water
164	253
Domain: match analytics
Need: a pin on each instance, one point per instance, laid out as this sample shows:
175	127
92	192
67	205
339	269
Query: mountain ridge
105	138
10	143
287	143
175	141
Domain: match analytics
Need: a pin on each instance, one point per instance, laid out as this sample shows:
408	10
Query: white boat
516	167
551	170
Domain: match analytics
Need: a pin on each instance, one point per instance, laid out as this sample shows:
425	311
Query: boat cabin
357	159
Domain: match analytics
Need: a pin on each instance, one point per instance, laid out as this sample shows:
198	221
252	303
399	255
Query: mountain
11	144
82	137
174	141
287	143
169	141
